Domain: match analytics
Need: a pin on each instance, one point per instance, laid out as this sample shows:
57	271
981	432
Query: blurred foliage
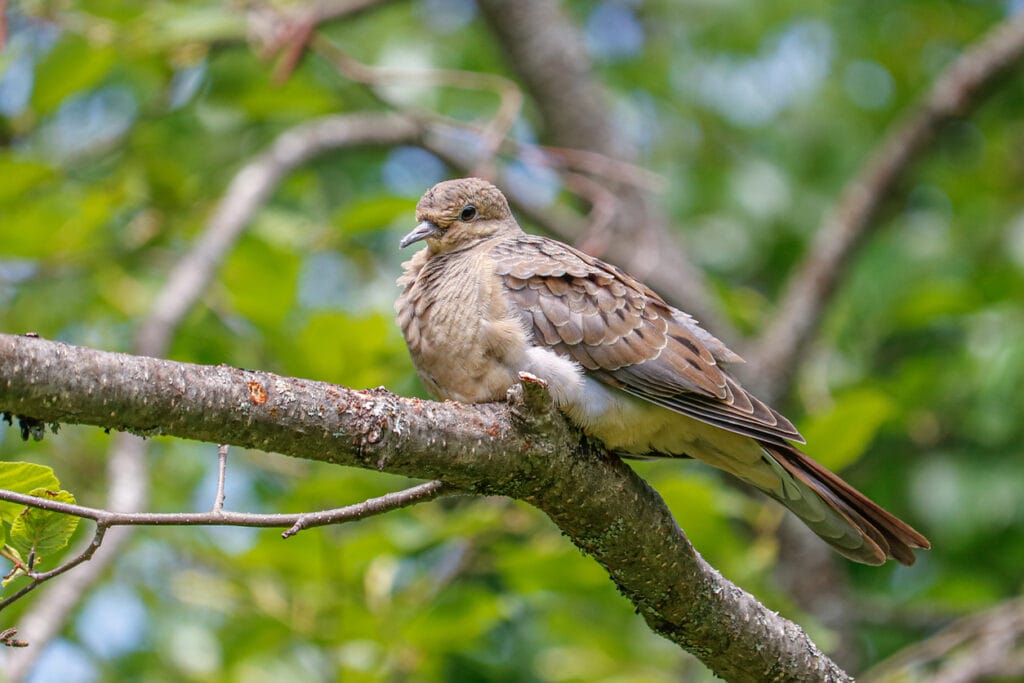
120	126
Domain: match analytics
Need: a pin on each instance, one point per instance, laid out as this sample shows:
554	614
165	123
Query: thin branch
38	578
287	32
596	238
293	522
959	90
610	168
372	506
492	135
3	28
222	466
519	449
217	517
248	190
983	646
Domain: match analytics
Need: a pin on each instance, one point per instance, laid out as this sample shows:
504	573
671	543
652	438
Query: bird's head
456	214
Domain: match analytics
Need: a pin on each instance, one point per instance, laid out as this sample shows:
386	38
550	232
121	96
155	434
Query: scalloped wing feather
627	336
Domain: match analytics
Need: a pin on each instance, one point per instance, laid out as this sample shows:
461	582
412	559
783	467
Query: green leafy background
121	124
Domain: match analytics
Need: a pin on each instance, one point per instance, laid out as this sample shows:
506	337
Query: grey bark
524	450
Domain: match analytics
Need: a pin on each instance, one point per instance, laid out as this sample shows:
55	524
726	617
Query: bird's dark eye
468	213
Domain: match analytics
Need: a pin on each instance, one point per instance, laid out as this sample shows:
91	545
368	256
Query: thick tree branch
523	452
957	91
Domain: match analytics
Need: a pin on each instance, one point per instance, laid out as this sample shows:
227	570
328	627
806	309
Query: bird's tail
846	519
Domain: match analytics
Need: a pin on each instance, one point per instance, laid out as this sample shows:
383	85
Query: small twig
3	37
222	466
373	506
493	134
293	44
275	29
39	578
217	517
303	520
603	166
288	33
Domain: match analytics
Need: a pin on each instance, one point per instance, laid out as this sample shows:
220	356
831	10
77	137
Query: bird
484	301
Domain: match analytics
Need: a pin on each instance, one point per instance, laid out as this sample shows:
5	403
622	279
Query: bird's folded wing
625	335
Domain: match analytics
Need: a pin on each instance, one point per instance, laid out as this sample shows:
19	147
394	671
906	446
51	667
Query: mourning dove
484	302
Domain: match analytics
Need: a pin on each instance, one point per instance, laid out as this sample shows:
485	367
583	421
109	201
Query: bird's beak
423	231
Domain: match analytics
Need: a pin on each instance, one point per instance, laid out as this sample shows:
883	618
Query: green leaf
21	176
23	477
840	436
42	531
936	298
73	66
261	280
165	26
357	351
370	215
15	557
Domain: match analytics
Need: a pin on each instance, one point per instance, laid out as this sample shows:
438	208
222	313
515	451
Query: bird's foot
530	396
529	377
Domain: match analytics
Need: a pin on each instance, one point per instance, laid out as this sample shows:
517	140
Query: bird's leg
529	398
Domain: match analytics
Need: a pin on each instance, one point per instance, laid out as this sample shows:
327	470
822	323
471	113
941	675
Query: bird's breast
463	341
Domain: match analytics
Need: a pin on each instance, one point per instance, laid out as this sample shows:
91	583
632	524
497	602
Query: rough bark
523	450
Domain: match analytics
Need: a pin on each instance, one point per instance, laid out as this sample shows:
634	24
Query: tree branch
293	522
88	550
248	191
513	450
979	647
955	93
222	470
218	517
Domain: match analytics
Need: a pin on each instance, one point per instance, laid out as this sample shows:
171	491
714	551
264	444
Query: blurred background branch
981	647
960	89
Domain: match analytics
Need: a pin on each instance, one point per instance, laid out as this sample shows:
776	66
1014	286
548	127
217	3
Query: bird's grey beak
423	231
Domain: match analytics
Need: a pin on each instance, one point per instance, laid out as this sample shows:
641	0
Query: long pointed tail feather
856	526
